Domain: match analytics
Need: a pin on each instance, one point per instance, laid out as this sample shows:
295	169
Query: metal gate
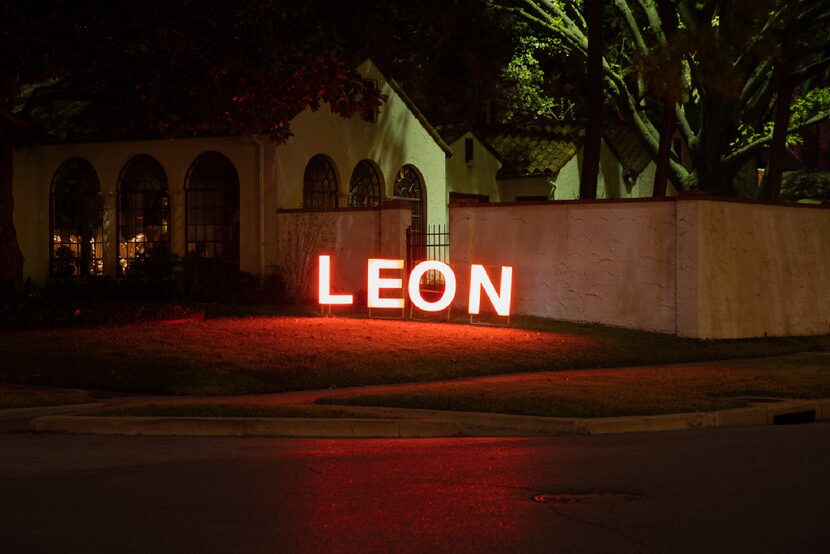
430	243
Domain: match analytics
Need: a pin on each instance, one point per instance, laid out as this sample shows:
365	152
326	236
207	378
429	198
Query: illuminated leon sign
479	281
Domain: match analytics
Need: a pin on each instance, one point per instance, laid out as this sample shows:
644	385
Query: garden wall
694	266
349	235
606	262
752	269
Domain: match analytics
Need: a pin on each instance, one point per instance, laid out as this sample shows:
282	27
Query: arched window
408	184
365	186
319	184
76	221
212	209
143	211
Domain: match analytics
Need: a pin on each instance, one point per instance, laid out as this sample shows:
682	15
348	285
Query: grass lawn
620	392
14	396
261	353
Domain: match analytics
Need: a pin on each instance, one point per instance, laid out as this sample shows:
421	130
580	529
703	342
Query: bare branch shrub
305	238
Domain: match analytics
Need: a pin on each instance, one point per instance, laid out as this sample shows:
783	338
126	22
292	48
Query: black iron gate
430	243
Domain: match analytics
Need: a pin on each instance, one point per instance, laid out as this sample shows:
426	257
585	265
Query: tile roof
535	149
627	147
451	132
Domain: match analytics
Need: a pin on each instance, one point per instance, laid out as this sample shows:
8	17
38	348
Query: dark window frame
212	194
321	187
366	185
410	185
76	242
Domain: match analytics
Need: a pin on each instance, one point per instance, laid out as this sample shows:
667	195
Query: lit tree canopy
724	65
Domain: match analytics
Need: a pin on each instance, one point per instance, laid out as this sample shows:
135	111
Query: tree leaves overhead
176	68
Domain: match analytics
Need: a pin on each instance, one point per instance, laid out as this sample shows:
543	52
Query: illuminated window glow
415	286
376	282
479	279
326	297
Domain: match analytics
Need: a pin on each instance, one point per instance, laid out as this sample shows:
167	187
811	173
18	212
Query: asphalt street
763	489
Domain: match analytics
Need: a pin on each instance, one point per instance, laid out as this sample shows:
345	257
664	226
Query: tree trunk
784	95
778	148
11	258
668	123
661	173
593	131
713	176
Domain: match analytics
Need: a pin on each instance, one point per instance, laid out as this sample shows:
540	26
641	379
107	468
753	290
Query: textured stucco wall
476	177
752	269
34	168
609	262
349	236
397	138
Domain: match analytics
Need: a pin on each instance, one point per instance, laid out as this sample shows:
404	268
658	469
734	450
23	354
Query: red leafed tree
93	68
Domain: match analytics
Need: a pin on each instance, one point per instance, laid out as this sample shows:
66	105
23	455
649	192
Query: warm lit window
319	184
365	186
408	185
76	221
143	211
212	209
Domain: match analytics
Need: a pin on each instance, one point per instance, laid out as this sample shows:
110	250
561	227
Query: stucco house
89	208
93	207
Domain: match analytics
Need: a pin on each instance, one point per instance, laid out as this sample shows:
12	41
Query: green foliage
524	91
728	58
815	101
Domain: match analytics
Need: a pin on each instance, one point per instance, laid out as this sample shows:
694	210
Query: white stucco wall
477	176
696	266
35	167
350	236
396	139
752	269
605	262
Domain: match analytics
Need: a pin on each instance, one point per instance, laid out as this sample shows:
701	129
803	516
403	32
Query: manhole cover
586	497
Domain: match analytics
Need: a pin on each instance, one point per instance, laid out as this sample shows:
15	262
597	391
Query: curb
245	427
496	424
412	423
12	414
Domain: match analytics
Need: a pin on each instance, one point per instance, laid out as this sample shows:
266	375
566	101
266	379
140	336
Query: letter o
415	286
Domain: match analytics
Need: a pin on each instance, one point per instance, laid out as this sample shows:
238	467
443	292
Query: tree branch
683	124
653	19
633	29
746	152
811	69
